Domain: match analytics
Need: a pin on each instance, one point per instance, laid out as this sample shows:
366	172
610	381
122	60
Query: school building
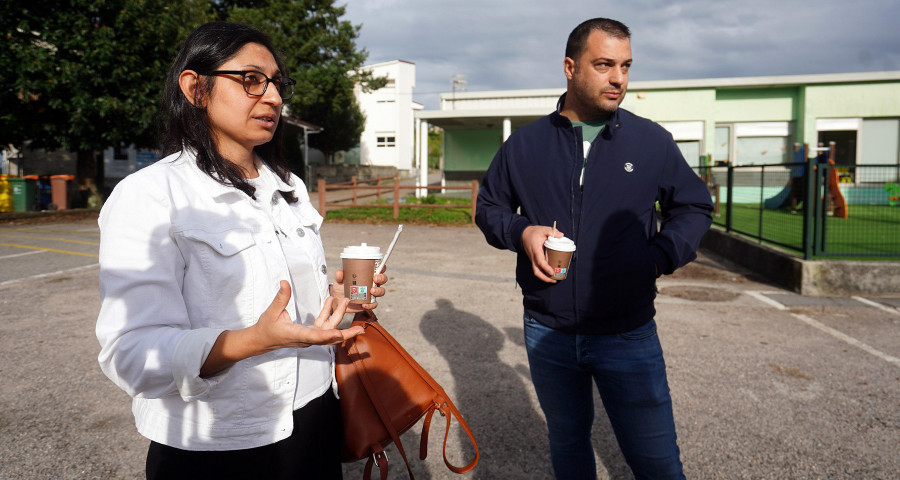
745	121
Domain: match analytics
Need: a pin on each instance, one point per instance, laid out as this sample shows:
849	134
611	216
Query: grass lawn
408	215
869	229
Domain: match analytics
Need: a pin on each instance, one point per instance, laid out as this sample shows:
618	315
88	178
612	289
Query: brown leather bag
383	393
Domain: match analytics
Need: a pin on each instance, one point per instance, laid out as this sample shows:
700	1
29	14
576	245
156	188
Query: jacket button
324	270
300	231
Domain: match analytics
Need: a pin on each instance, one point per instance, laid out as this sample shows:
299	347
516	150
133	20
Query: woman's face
240	121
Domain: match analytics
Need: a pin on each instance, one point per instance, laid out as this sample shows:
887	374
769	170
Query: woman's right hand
275	329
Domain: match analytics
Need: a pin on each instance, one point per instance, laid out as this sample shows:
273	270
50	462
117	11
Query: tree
320	52
435	147
85	75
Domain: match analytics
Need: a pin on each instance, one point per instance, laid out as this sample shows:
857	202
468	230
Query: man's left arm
686	209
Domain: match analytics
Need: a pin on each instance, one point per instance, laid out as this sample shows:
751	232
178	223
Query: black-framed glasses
255	83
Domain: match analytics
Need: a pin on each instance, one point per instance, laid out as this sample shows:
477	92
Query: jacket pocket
219	276
226	244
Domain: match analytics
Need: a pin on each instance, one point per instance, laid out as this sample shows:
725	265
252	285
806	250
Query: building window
763	143
120	152
386	141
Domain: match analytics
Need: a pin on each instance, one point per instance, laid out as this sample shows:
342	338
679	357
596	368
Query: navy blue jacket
633	162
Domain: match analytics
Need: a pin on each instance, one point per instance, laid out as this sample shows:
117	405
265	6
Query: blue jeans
630	374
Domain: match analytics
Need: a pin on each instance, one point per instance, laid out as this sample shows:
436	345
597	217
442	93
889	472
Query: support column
507	128
423	159
417	159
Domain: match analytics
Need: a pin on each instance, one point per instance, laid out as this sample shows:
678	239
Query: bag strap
452	410
442	402
382	466
377	451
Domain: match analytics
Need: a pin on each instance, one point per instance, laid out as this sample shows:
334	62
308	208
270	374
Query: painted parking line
877	305
52	239
50	274
31	247
86	231
826	329
848	339
764	299
22	254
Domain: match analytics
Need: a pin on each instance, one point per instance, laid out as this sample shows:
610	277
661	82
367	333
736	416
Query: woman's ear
189	81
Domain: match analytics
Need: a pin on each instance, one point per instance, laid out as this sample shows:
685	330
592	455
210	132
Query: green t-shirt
589	132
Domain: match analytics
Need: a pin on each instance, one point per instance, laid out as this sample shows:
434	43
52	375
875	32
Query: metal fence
854	210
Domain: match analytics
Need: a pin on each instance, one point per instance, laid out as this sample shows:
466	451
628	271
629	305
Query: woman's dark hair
186	125
577	39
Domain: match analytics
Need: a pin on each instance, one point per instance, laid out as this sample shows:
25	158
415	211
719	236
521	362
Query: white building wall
388	137
544	100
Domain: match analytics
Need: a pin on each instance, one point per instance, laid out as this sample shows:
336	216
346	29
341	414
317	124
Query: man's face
598	78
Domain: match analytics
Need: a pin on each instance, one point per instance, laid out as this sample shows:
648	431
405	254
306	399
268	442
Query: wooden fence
375	188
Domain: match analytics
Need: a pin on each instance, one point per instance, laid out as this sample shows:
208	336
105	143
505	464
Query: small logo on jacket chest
629	167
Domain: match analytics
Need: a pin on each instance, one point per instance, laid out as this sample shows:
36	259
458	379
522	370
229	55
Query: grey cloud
506	44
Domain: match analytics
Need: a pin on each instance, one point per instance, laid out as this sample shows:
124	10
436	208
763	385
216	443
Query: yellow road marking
30	247
34	237
68	232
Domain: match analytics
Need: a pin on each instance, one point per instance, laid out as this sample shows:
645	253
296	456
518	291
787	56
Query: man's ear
569	67
189	81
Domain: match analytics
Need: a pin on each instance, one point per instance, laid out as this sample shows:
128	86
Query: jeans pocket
646	330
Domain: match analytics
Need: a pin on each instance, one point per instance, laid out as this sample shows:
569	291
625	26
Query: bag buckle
375	458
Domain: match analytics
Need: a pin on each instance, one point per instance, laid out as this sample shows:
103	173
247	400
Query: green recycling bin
23	193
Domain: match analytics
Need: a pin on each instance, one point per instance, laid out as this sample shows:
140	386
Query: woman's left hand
337	291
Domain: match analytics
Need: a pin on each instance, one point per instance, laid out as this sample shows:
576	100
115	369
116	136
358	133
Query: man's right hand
533	239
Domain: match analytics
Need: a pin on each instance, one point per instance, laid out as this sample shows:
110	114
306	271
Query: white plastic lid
363	252
563	244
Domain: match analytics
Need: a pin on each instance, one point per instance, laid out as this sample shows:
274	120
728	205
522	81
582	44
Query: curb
816	278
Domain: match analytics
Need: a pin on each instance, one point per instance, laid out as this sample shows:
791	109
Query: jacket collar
613	124
215	189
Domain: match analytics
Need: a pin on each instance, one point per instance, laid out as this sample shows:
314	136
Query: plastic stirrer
388	253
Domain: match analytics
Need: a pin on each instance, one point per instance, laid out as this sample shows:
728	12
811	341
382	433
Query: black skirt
313	451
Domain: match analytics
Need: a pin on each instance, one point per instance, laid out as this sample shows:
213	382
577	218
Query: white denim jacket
182	259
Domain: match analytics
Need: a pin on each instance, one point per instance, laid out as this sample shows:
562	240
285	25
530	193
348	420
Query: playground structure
794	192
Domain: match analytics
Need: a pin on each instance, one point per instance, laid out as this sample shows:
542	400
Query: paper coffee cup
359	263
559	254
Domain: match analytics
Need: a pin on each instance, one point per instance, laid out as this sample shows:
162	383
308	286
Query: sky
520	44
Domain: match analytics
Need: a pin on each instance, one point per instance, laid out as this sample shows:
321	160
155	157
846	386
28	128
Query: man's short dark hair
578	37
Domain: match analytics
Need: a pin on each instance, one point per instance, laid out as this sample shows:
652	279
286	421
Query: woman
226	382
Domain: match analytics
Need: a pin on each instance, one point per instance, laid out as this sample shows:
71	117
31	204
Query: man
595	171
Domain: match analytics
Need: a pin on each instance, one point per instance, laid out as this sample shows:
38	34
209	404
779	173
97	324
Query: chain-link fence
855	209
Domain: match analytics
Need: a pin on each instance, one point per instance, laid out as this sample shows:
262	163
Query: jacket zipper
572	214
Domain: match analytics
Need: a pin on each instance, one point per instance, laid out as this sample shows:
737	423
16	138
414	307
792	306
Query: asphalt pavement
766	384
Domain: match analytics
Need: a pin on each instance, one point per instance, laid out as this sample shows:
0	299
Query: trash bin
61	186
23	193
44	192
6	199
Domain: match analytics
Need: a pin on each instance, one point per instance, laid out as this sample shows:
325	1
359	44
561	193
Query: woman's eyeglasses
255	83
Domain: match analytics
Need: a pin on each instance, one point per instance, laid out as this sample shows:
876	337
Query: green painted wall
850	100
672	105
756	105
470	150
473	150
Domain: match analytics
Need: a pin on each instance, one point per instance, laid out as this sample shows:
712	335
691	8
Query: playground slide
779	200
839	203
